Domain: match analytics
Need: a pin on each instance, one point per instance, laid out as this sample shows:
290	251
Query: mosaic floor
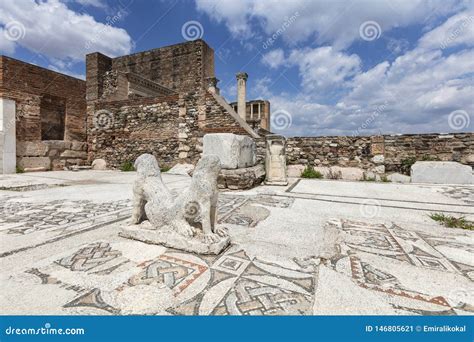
64	256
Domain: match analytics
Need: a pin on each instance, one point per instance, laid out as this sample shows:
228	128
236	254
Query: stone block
438	172
99	164
348	173
78	146
234	151
241	179
378	159
60	145
295	170
398	178
31	149
74	154
181	169
34	163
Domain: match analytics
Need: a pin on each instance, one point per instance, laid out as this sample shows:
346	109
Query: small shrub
19	169
310	172
406	165
452	222
127	166
165	168
385	179
429	158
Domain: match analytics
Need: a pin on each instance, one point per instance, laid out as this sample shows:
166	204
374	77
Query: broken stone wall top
181	67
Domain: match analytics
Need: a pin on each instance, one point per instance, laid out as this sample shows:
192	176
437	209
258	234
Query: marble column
241	94
7	136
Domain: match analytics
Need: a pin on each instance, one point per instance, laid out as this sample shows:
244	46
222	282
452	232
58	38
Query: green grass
406	165
453	222
127	166
165	168
385	179
309	172
19	169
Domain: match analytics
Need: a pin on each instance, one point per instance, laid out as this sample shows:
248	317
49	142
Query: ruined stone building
160	101
163	101
42	118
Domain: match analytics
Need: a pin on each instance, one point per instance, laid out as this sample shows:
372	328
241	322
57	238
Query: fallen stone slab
168	238
438	172
241	179
99	164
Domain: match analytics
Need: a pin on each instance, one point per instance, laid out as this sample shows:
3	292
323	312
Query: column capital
242	75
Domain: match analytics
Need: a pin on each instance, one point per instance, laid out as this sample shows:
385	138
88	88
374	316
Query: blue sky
353	67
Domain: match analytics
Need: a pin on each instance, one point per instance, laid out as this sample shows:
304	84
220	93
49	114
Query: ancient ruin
185	221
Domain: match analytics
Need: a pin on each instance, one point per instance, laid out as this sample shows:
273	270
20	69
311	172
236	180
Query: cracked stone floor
314	247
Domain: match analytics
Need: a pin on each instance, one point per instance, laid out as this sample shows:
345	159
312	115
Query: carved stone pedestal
146	233
275	160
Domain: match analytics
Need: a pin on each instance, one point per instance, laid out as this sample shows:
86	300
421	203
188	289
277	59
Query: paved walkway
314	247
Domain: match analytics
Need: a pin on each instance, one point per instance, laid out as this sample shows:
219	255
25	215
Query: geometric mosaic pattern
418	249
230	284
89	257
32	217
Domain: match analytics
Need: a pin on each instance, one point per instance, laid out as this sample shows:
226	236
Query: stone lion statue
192	210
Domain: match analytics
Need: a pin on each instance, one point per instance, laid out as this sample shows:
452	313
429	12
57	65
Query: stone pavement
314	247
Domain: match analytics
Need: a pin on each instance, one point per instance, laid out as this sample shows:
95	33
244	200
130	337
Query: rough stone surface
241	179
234	151
295	170
174	219
441	173
99	164
399	178
181	169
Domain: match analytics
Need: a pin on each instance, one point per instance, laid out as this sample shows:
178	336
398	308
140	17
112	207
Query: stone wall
371	153
50	154
171	128
34	88
181	67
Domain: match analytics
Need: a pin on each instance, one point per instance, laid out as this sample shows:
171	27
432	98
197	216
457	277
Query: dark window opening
53	117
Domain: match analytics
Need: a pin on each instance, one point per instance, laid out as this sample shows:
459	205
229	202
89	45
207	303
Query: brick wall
181	67
28	85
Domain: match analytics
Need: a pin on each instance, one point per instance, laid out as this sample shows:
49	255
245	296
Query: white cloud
457	30
93	3
55	31
414	93
6	45
333	22
274	58
322	68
